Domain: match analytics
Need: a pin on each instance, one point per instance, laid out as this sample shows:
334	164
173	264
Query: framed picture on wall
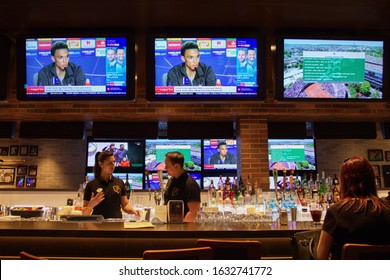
33	150
4	151
14	150
23	150
375	155
7	176
21	170
376	170
387	155
20	181
32	170
31	182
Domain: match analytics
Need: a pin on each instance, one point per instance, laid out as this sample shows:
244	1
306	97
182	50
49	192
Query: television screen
155	151
296	154
135	179
206	68
155	182
219	154
128	154
75	68
280	181
208	179
330	69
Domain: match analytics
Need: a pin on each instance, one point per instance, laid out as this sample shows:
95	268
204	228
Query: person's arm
324	246
88	205
193	207
127	207
79	76
210	78
173	77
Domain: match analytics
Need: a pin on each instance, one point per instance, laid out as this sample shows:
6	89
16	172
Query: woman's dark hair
100	157
357	180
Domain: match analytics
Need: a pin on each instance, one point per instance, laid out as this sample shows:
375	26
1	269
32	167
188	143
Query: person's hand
96	199
137	212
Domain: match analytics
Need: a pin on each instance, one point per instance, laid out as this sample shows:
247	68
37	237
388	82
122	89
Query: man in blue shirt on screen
223	156
191	72
61	71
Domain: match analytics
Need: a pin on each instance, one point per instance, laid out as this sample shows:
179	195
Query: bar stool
201	253
26	256
225	249
353	251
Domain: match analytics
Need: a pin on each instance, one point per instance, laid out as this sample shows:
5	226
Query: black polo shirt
183	188
113	190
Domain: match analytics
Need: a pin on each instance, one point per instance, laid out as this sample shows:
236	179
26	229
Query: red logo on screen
100	43
174	45
231	44
44	45
213	142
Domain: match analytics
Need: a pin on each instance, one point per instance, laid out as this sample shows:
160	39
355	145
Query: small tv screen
135	179
75	68
155	151
128	154
280	181
155	182
214	179
219	154
329	69
206	68
296	154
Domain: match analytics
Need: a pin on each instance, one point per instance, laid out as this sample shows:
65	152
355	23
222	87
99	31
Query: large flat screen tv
219	154
128	154
155	151
296	154
208	67
134	179
313	68
79	67
155	182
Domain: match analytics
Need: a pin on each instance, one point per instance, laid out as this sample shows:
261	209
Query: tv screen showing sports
206	68
135	179
75	68
155	182
331	69
219	154
155	151
296	154
128	154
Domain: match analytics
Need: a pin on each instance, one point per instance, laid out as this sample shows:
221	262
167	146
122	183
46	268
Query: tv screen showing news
219	154
73	68
135	179
155	182
128	154
206	68
155	151
331	69
296	154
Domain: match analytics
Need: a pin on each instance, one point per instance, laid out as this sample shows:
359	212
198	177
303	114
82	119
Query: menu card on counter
134	225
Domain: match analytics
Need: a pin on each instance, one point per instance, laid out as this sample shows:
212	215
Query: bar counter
108	240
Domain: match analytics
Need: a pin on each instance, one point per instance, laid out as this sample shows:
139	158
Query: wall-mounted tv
134	179
155	151
324	68
219	154
213	178
208	67
77	67
296	154
128	154
155	182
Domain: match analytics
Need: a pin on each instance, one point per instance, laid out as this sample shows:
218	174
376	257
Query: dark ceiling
18	16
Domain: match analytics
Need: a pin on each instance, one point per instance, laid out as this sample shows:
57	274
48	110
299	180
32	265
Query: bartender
181	186
105	194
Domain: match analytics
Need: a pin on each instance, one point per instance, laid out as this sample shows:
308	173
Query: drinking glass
316	213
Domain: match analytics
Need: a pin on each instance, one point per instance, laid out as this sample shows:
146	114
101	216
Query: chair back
304	244
225	249
26	256
353	251
201	253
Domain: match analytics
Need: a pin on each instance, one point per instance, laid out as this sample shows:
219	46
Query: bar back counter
111	240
